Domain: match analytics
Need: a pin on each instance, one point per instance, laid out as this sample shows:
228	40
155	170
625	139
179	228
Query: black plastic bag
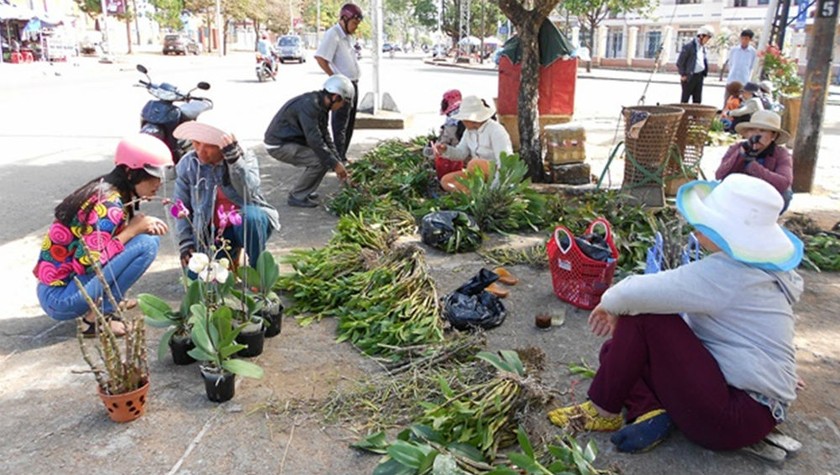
470	306
450	231
593	245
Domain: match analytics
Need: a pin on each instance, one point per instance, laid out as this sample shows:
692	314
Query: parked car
388	47
180	44
290	48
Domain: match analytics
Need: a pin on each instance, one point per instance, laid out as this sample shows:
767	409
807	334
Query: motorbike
264	69
168	110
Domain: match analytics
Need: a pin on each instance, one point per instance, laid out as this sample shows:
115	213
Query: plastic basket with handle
655	256
577	278
445	165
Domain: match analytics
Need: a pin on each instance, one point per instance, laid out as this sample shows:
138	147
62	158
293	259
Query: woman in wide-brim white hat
481	145
761	154
725	372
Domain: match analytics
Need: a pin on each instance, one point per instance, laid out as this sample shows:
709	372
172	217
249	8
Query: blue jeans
252	234
121	272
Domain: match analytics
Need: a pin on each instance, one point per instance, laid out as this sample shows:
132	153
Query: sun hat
766	86
206	129
765	120
474	109
451	101
739	214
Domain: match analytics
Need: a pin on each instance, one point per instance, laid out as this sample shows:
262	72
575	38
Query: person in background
725	375
741	61
482	144
750	105
693	66
336	55
218	185
298	135
733	102
100	224
266	49
762	154
450	134
767	99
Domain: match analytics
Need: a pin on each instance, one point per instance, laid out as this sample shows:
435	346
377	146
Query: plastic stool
15	57
28	57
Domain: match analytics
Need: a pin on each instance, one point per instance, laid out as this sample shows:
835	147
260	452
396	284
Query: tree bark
527	23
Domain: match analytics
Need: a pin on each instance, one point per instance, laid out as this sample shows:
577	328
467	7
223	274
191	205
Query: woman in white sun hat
761	155
726	374
483	142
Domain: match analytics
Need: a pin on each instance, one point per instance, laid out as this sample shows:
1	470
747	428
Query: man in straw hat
724	375
483	142
298	135
761	154
216	180
693	66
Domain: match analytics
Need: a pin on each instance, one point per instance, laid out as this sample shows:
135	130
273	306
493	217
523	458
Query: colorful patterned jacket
70	251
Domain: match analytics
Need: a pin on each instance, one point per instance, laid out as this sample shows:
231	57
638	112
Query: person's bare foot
118	327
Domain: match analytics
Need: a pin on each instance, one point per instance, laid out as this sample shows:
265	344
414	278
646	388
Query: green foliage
214	335
168	13
159	314
823	251
592	12
567	456
782	71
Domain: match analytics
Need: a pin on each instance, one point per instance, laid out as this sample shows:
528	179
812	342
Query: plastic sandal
505	276
497	291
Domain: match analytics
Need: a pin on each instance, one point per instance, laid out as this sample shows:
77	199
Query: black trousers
693	88
343	121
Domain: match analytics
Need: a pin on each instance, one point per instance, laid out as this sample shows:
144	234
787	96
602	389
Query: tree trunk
591	46
530	147
128	32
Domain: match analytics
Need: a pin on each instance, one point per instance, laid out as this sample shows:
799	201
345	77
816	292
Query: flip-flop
90	330
784	442
497	291
505	277
766	452
128	304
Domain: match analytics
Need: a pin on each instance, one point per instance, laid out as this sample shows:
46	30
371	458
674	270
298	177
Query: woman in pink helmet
100	223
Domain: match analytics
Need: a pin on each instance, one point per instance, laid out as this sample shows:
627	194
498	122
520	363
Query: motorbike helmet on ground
146	152
341	85
351	11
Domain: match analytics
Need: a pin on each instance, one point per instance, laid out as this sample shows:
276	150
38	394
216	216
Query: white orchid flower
220	270
198	262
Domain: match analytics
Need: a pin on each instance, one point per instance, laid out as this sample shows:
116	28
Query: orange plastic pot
127	406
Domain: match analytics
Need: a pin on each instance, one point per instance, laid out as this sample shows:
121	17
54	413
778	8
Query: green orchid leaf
164	342
243	368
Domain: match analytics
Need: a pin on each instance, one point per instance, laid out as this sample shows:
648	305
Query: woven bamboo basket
651	148
691	136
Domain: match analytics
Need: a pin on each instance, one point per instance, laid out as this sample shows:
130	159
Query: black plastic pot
220	385
254	340
273	320
179	346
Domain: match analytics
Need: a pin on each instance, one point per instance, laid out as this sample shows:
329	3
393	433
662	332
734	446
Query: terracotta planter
179	347
219	385
127	406
255	341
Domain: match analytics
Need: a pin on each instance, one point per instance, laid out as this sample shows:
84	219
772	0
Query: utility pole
318	24
291	19
808	134
219	34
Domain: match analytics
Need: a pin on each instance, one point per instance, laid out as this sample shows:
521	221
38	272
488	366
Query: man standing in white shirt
741	61
336	55
693	66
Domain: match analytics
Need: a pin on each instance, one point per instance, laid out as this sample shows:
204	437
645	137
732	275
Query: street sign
801	15
503	30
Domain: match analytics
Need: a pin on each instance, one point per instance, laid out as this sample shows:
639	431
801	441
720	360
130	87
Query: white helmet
339	84
706	30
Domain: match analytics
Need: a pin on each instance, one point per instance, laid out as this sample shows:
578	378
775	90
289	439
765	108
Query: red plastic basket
444	166
577	278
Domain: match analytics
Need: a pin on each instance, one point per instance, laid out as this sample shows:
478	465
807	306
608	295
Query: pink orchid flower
179	210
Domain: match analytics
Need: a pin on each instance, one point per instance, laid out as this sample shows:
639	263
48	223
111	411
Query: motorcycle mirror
142	69
203	86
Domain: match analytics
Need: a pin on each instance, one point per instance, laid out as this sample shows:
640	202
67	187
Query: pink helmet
143	151
451	101
351	11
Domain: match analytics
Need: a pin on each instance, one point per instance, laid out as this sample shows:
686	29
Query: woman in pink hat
450	134
99	225
725	373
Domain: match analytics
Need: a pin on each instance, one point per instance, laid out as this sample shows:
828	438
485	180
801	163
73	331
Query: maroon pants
657	362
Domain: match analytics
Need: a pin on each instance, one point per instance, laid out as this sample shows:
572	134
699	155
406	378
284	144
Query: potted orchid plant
261	281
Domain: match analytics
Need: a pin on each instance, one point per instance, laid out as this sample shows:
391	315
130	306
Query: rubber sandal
90	330
784	442
497	291
766	452
128	304
505	277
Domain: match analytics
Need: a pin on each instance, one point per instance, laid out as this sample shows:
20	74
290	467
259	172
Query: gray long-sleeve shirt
743	316
303	120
